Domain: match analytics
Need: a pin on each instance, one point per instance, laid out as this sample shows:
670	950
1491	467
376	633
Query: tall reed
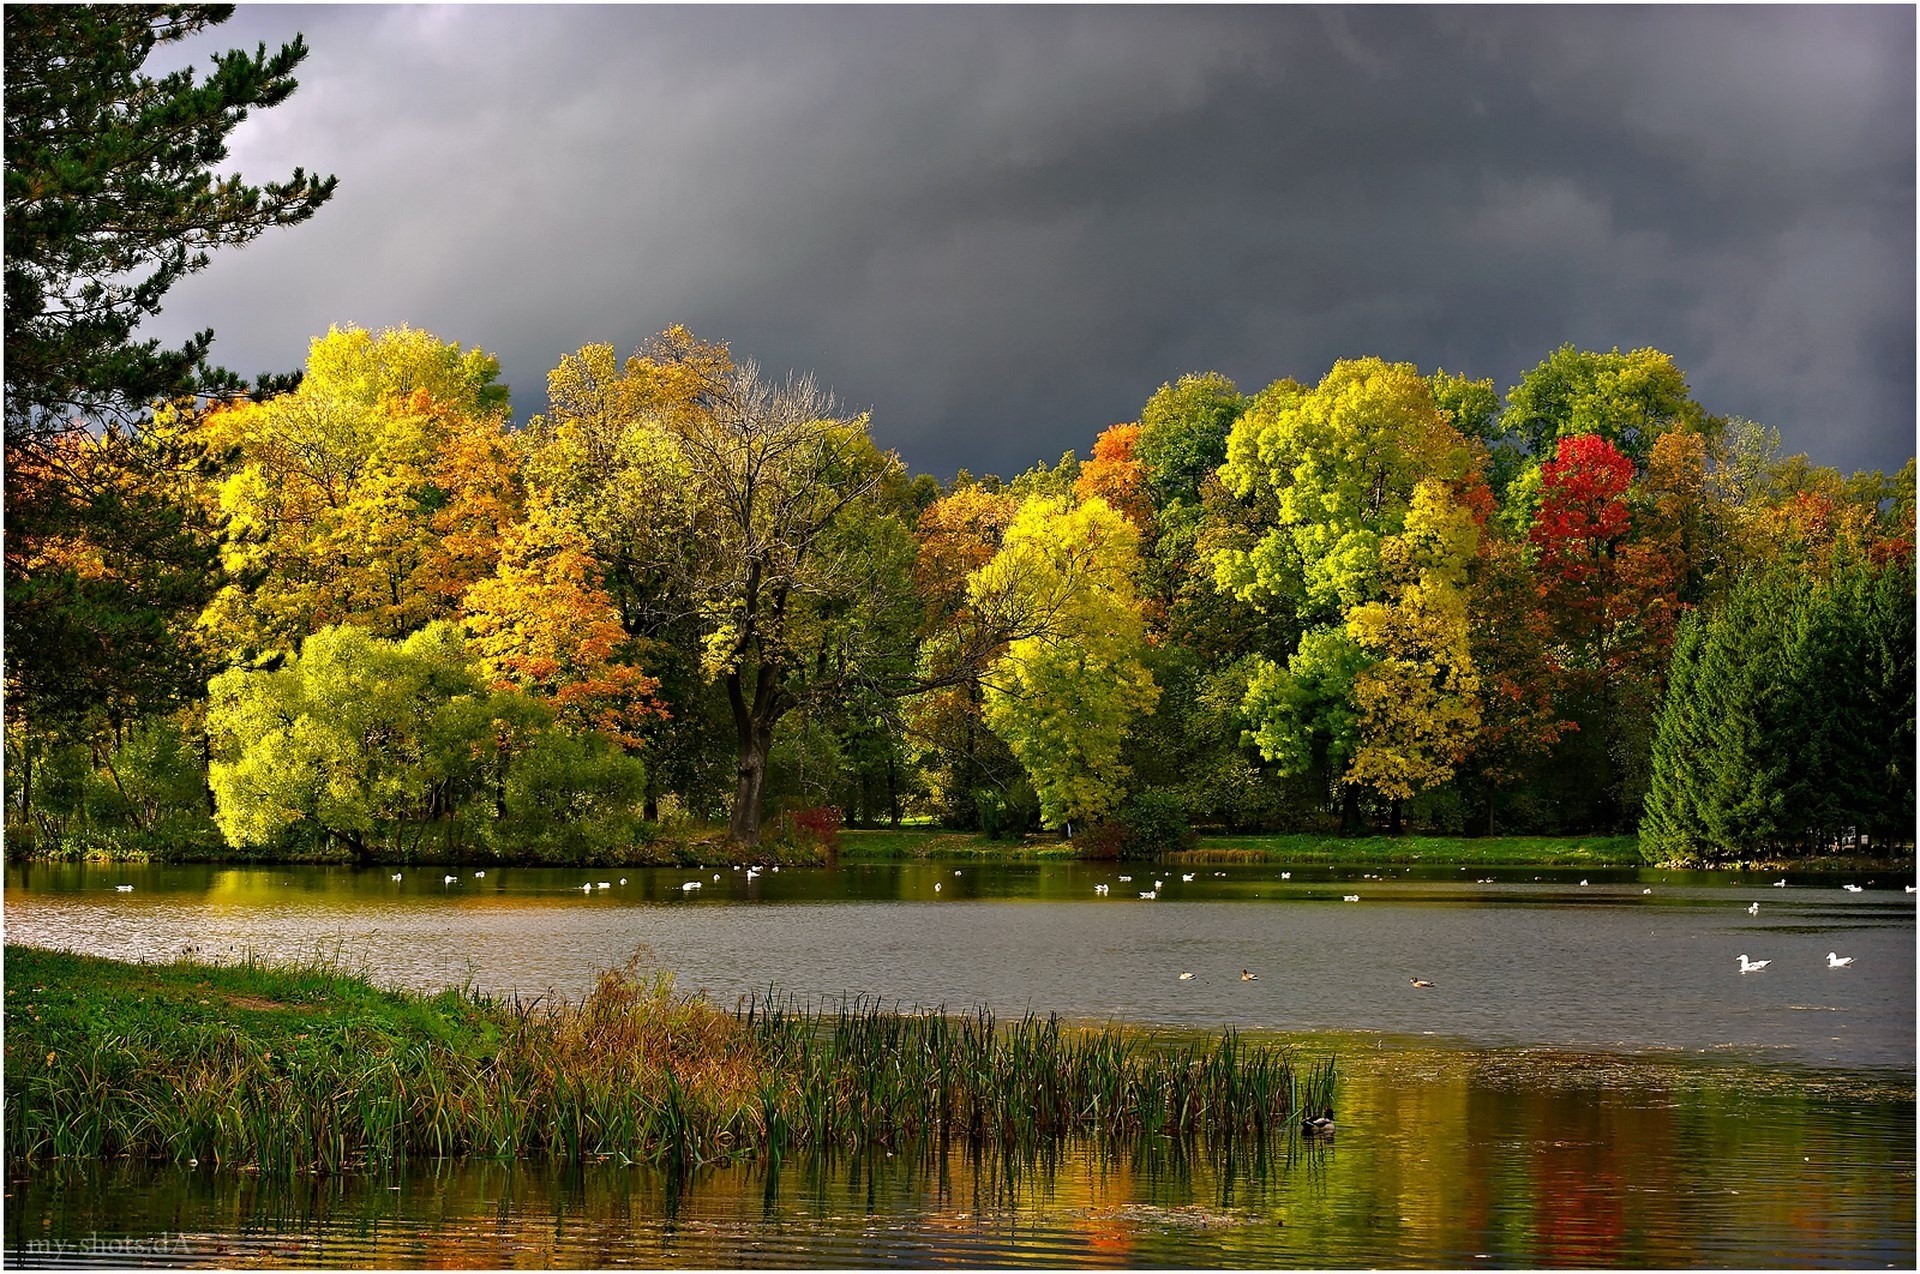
307	1071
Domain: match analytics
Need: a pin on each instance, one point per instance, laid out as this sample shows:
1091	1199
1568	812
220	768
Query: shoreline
881	845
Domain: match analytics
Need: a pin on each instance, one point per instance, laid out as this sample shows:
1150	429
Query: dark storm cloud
1003	228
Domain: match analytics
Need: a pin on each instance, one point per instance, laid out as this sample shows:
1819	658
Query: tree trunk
753	723
1490	804
893	791
750	788
1350	811
1393	818
206	772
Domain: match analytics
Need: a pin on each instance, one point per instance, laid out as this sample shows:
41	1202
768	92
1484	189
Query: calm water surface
1589	1082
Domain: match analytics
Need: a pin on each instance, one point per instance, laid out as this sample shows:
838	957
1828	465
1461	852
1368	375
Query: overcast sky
1001	229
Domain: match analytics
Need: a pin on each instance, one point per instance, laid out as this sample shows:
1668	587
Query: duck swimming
1753	966
1420	982
1247	976
1838	961
1318	1125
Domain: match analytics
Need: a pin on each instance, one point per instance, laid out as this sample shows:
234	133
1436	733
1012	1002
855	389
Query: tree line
361	605
387	617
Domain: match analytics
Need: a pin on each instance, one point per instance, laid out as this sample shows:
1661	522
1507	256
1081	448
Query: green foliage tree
357	738
1788	718
1365	538
1183	434
1627	399
111	197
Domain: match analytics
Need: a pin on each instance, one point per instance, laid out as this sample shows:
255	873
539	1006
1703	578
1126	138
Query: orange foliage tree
1115	475
541	623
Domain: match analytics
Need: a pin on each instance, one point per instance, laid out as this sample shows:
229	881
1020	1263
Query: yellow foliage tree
374	494
1072	679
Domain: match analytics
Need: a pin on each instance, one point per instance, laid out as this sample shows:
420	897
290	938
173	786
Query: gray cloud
1003	228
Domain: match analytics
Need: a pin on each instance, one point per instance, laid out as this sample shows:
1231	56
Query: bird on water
1420	982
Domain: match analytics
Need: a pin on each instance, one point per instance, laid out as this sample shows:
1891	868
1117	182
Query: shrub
1006	813
1153	823
821	824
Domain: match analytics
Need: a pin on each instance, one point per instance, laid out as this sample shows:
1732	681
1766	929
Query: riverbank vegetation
885	845
368	611
314	1070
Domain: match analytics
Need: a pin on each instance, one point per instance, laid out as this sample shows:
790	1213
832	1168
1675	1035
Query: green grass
892	844
312	1069
1488	851
1483	851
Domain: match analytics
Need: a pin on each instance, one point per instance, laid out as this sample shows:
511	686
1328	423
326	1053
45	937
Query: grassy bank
1486	851
664	847
905	843
1448	851
312	1069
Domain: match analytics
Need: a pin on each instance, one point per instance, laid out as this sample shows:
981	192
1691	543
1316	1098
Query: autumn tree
1366	541
374	494
1511	635
542	623
1116	476
1614	602
962	763
1068	686
738	512
109	557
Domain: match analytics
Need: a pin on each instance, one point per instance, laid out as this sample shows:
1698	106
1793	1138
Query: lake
1589	1081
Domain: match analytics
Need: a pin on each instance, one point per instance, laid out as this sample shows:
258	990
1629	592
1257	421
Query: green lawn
1483	851
881	844
1517	851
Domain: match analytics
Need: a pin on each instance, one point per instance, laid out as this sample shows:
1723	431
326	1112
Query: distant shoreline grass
1481	851
703	846
1317	849
283	1069
687	847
